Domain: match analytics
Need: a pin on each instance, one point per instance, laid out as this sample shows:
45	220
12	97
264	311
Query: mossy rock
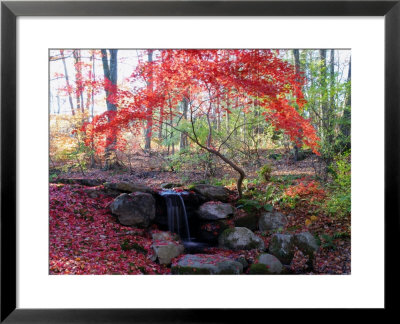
258	268
189	271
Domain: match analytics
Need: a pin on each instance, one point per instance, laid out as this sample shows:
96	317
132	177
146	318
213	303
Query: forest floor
86	239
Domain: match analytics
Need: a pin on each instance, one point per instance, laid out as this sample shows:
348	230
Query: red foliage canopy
205	78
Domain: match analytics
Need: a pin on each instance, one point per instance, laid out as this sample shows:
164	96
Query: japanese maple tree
207	81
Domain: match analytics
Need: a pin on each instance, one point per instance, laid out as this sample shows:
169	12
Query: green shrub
252	205
265	172
339	201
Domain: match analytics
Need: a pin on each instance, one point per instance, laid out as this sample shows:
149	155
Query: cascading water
176	213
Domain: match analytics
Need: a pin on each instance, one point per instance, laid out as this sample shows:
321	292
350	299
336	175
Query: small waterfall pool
178	220
176	212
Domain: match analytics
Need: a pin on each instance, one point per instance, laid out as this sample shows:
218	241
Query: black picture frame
10	10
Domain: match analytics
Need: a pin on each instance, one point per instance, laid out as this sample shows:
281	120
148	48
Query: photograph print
199	161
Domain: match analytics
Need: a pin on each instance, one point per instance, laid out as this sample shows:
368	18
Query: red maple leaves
222	79
86	239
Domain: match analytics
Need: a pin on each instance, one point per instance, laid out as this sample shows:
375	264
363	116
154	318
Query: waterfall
176	212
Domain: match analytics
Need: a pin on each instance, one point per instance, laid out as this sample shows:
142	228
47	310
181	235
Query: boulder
210	231
212	192
137	209
243	261
206	264
272	221
128	187
306	243
164	236
80	181
271	262
282	247
170	185
213	210
96	192
167	250
249	220
240	238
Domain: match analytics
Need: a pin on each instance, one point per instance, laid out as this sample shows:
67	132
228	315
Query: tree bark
296	54
346	119
323	103
184	142
149	122
331	126
67	82
110	73
78	80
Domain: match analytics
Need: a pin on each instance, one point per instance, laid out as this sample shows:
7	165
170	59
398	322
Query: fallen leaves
86	239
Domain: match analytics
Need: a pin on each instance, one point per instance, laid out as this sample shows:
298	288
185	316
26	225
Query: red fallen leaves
303	189
299	262
210	227
86	239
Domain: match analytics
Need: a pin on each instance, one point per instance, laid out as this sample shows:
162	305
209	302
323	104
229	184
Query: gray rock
243	261
306	243
282	246
128	187
271	221
167	250
215	210
81	181
212	192
272	263
170	185
164	236
206	264
240	238
134	209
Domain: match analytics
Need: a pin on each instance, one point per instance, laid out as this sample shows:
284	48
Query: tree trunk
346	119
331	126
183	143
149	122
78	80
296	54
58	105
67	82
110	73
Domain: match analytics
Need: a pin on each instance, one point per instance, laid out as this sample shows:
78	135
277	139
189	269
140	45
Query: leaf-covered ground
86	239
